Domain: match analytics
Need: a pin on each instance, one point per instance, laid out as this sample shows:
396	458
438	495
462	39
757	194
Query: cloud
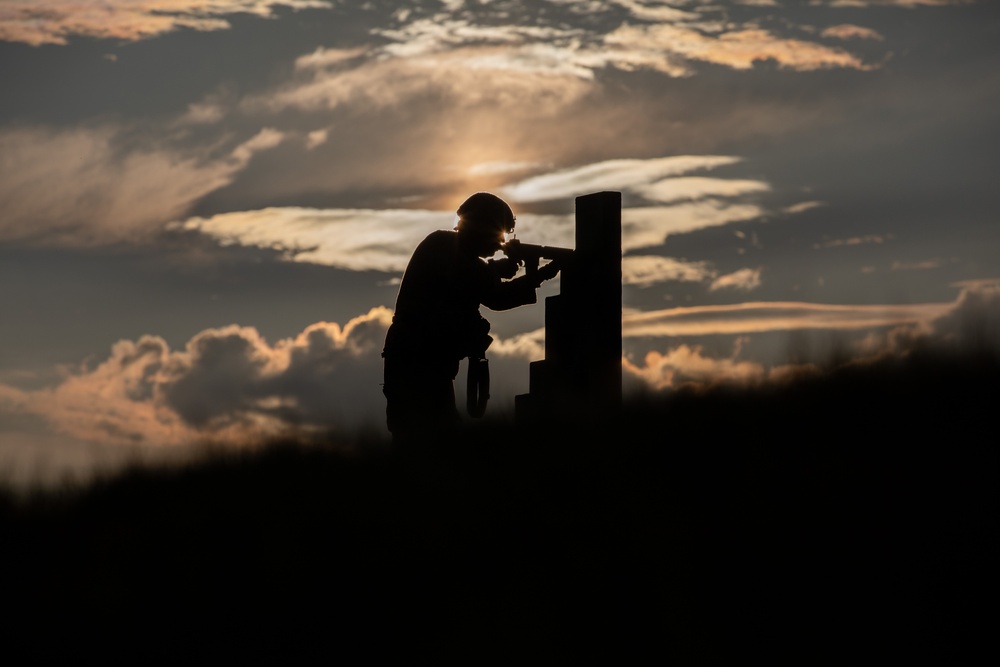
646	270
891	3
621	174
39	22
969	324
82	187
230	385
383	239
691	188
876	239
922	265
757	317
316	138
464	76
802	207
737	49
849	31
651	225
354	239
744	280
686	365
227	384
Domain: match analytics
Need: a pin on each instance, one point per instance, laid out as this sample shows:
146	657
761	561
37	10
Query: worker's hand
505	267
547	272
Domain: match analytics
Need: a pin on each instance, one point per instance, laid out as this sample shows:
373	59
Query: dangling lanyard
477	387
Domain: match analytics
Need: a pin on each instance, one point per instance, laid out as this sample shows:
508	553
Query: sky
206	205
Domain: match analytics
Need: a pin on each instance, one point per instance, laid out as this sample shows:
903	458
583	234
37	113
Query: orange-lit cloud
738	49
891	3
756	317
686	365
650	226
646	270
877	239
744	280
970	323
850	31
921	265
54	21
231	385
228	384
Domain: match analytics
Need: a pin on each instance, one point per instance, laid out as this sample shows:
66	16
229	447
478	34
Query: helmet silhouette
485	213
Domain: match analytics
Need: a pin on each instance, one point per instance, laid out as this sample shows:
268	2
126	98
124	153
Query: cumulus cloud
38	22
969	324
687	365
231	385
80	187
227	384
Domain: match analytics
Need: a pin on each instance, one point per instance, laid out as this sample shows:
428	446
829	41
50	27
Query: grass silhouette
838	517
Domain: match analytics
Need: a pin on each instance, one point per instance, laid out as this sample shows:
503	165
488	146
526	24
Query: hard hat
485	213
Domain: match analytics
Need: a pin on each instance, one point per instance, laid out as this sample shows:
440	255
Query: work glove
547	272
505	267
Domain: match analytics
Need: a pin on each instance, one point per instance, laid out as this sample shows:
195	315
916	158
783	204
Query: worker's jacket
437	306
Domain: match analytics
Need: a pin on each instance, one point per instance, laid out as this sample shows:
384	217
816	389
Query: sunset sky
206	205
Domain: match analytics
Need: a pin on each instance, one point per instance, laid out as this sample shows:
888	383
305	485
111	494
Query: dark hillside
833	518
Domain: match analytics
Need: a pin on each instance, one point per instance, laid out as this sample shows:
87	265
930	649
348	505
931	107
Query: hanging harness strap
477	387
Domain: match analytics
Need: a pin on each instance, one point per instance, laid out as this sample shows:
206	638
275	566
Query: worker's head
485	218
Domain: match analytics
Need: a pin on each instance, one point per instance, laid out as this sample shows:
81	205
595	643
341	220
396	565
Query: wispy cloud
650	226
756	317
970	323
744	280
80	187
850	31
624	174
54	21
891	3
647	270
354	239
686	364
738	49
876	239
919	265
691	188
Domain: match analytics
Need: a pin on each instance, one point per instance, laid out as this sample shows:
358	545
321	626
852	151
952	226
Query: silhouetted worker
437	322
